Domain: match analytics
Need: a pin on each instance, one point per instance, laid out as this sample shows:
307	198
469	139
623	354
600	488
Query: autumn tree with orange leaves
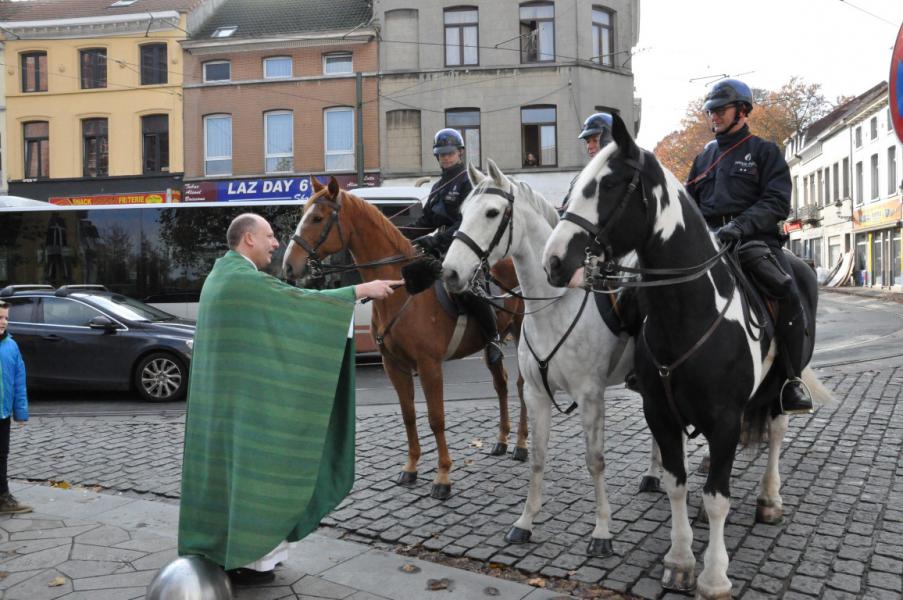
777	115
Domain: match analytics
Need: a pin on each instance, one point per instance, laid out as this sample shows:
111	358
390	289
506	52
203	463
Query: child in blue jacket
13	405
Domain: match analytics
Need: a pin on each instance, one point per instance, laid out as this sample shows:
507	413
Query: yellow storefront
879	256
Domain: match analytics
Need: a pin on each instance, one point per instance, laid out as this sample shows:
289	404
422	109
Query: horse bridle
600	239
607	270
315	262
506	224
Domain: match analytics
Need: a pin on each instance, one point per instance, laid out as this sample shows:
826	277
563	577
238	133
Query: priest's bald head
251	236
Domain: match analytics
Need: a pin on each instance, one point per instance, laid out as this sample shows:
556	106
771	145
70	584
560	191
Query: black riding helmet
597	124
447	141
726	92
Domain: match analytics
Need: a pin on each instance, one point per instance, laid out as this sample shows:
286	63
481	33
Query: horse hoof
519	454
516	535
440	491
722	594
650	484
406	478
499	449
679	579
705	465
600	547
768	513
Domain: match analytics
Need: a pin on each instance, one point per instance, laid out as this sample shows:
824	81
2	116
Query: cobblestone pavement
842	536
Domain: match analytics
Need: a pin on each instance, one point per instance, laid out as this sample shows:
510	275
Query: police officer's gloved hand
729	233
427	244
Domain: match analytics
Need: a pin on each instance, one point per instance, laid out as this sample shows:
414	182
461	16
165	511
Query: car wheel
161	377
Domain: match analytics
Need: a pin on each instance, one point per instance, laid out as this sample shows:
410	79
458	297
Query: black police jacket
750	185
443	208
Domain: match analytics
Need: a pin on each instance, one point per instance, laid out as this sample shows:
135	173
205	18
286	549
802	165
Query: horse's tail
820	394
754	428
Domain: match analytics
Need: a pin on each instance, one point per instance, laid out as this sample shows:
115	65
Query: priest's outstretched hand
377	289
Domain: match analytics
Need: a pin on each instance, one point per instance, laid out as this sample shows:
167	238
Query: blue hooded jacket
13	398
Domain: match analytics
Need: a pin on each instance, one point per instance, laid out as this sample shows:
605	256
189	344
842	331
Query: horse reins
544	363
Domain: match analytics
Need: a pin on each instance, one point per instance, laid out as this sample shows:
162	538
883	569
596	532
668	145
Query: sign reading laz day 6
896	85
288	188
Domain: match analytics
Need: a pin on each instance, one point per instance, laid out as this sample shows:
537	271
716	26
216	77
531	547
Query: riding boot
485	316
794	396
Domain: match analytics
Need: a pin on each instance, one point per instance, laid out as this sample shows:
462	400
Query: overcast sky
764	43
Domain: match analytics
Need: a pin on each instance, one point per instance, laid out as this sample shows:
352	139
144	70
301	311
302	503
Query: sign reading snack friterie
108	199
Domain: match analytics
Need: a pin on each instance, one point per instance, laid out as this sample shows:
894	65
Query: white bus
158	253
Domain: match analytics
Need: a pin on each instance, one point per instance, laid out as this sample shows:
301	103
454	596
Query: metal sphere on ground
190	578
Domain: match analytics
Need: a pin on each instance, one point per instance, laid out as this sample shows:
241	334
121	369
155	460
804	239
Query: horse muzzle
453	281
557	273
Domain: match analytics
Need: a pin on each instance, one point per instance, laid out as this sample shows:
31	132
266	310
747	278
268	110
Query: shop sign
285	188
115	199
880	213
794	226
895	92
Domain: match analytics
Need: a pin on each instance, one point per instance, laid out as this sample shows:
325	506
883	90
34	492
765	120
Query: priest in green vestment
269	436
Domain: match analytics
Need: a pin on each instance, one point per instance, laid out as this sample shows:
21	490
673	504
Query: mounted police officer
442	214
742	186
596	133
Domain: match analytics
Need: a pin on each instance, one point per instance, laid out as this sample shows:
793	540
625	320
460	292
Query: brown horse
413	332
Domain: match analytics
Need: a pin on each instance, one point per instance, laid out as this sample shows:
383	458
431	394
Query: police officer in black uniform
442	214
742	186
596	133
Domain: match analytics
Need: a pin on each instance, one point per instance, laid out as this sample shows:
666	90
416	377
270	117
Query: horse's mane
539	203
392	233
531	196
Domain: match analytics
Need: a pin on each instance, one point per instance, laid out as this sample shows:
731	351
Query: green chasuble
269	437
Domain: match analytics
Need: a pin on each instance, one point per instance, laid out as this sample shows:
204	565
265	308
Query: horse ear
333	187
318	187
474	174
622	136
495	172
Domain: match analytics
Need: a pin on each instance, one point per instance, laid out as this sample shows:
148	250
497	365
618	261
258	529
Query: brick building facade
281	96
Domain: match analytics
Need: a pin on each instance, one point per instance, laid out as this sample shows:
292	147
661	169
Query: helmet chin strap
733	123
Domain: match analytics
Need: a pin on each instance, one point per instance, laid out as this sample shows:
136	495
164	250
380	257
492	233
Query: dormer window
224	32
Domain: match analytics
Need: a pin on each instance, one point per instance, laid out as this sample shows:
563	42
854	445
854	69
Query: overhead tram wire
882	19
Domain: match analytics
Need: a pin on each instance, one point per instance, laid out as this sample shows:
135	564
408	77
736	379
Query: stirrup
494	351
804	407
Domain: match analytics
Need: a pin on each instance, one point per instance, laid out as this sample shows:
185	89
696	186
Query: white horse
502	218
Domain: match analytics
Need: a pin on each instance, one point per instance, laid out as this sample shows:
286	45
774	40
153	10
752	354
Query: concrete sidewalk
866	292
78	544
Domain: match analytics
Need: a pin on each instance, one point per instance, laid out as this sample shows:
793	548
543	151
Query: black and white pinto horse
562	328
697	363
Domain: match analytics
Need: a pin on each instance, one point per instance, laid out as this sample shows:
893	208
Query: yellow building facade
89	99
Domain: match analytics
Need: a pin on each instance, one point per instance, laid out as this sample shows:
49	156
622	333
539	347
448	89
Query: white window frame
291	69
348	55
224	32
602	32
224	157
217	62
326	152
266	142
